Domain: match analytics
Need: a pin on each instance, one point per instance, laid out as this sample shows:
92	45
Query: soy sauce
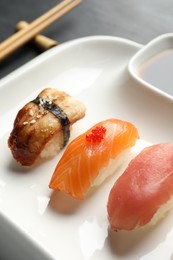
158	71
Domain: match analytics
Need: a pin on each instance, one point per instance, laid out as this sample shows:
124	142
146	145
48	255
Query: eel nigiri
42	126
142	194
93	156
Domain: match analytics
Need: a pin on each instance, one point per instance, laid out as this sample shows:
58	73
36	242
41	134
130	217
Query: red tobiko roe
96	135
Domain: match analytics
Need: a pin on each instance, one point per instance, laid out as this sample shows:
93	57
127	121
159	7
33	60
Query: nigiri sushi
142	194
93	156
42	126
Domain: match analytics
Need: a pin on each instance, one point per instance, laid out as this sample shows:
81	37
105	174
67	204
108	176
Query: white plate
37	223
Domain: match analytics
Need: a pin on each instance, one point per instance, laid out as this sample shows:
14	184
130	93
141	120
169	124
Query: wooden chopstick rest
44	43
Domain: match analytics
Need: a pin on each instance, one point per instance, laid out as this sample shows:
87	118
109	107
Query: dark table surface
136	20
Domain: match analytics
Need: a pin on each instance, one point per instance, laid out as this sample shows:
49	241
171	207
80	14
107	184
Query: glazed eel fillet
42	126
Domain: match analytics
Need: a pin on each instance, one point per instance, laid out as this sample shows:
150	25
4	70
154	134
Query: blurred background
139	21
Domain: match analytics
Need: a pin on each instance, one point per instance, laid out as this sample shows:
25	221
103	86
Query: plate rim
49	53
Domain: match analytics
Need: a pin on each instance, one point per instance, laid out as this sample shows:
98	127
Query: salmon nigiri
142	194
89	158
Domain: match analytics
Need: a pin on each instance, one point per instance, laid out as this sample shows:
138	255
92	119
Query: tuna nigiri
93	156
42	126
142	194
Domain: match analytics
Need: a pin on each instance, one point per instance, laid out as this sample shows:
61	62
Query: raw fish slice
90	153
144	187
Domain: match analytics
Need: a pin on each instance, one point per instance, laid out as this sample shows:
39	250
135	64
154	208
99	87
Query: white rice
162	211
113	165
53	146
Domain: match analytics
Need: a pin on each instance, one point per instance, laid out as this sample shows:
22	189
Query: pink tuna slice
145	185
